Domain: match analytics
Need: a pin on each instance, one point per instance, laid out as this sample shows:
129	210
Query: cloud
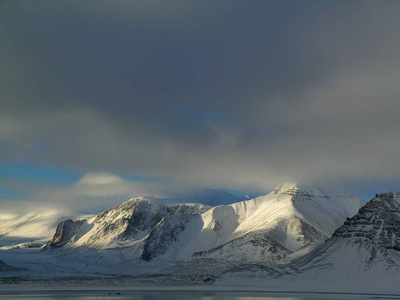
100	179
91	193
102	185
231	95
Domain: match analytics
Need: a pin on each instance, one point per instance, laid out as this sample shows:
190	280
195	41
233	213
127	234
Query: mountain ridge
265	229
365	251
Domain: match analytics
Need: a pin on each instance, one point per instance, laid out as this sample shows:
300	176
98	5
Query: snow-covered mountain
366	245
29	229
210	197
363	253
130	224
289	240
264	229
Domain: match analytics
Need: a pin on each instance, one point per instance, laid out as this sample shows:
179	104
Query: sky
105	100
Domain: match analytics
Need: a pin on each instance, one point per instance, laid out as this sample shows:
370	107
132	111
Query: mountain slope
124	225
263	229
269	229
28	228
364	253
367	244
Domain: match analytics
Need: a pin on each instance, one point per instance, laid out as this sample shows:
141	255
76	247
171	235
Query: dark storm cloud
227	94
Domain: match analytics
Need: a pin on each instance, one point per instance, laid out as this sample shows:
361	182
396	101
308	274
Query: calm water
178	295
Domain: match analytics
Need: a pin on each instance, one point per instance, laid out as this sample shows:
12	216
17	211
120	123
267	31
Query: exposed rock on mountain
132	223
367	242
67	232
163	235
364	251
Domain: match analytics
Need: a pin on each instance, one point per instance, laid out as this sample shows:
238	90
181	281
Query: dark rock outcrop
67	231
163	235
377	222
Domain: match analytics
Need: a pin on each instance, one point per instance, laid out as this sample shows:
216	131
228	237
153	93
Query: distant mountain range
28	230
265	229
37	227
289	234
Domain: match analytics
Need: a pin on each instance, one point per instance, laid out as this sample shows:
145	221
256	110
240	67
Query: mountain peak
286	189
298	193
393	195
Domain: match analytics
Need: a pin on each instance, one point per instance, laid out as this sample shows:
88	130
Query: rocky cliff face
136	221
298	194
377	222
164	235
125	222
67	232
366	245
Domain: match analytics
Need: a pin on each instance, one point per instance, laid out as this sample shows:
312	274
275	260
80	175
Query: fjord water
181	295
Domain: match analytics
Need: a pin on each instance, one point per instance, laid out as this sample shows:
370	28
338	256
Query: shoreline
15	289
